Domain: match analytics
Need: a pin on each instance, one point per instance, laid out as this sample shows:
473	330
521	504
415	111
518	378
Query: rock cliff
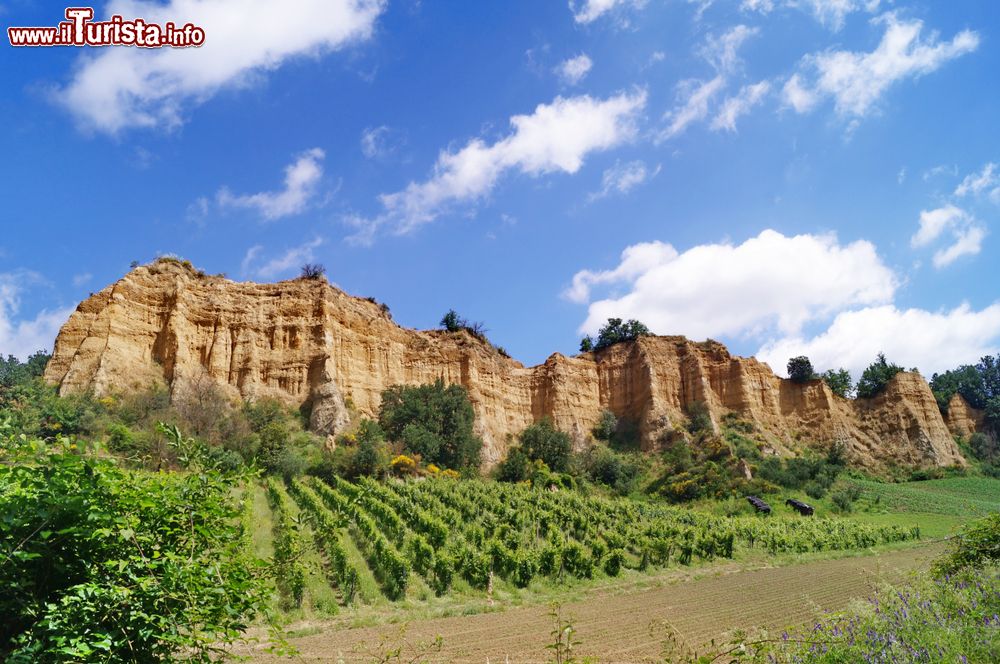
306	342
962	419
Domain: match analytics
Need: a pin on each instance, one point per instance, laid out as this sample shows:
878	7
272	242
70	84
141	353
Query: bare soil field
633	625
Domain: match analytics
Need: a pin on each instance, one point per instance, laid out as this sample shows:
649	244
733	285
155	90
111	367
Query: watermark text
79	29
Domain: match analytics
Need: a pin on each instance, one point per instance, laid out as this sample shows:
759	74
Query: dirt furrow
632	626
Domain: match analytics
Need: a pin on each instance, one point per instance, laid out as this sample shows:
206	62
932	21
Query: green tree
614	469
800	369
451	321
544	442
434	421
370	459
606	426
586	344
616	331
516	466
13	371
839	381
876	377
966	380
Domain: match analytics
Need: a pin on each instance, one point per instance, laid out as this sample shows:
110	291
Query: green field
939	507
954	496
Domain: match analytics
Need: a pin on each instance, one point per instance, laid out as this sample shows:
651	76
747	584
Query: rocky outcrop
962	419
306	342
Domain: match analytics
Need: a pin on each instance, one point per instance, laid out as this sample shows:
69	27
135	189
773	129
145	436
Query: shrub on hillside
606	426
616	470
699	418
542	441
434	421
362	453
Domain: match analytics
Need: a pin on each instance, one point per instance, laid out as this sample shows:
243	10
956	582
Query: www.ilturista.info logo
79	29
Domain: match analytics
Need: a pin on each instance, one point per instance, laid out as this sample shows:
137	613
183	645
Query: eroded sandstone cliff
304	341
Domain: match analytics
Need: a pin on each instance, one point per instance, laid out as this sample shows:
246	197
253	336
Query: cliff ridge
307	342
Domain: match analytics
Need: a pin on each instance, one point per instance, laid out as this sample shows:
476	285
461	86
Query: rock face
306	342
962	419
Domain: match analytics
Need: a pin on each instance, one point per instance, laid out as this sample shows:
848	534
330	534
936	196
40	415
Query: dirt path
630	627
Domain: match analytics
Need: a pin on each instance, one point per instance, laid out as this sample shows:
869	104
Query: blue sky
786	176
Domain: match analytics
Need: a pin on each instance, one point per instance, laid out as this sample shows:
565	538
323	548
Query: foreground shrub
976	546
947	620
102	564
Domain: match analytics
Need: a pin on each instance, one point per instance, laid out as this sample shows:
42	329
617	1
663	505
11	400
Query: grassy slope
939	507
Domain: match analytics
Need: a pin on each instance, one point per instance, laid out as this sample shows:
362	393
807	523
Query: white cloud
557	137
831	13
935	222
623	178
22	338
987	181
574	70
291	260
769	282
121	88
739	105
968	242
588	11
797	96
722	51
967	234
82	279
856	81
301	178
930	341
197	211
695	96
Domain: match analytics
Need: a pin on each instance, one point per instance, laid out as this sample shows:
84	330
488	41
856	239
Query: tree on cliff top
800	369
839	381
312	271
614	332
876	377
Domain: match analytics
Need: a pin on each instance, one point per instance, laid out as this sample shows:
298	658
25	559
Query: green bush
516	466
699	418
434	421
844	497
614	469
102	564
542	441
606	426
977	546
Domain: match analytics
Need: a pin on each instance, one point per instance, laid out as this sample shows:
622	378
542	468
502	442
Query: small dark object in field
759	504
800	507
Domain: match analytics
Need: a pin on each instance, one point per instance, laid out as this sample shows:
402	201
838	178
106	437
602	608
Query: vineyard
386	541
